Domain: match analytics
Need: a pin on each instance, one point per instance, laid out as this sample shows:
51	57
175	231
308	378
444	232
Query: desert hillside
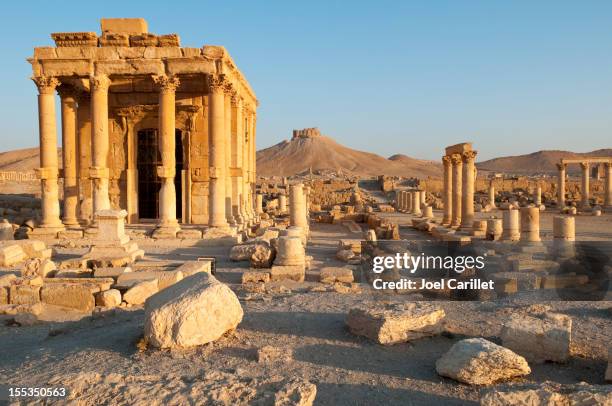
22	160
323	153
538	162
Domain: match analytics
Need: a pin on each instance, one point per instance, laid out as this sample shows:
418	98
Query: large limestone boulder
539	338
263	256
480	362
195	311
399	323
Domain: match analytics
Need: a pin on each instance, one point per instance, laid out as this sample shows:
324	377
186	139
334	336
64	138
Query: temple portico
164	132
585	165
459	178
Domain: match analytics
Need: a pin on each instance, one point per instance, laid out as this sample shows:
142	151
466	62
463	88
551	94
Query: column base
166	231
73	222
47	231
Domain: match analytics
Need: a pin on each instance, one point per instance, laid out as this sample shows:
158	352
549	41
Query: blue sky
388	77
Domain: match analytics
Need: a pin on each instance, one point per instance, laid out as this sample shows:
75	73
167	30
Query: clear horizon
387	77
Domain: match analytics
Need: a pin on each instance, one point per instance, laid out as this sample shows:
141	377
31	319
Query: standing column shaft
84	160
561	186
227	103
297	207
253	124
491	194
100	143
247	164
467	205
608	186
167	144
585	184
216	130
457	184
69	155
237	147
48	152
447	190
538	195
416	202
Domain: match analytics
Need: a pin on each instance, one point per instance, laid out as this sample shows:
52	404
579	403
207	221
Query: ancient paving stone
546	337
480	362
294	273
194	311
255	276
398	323
72	295
336	274
141	291
108	298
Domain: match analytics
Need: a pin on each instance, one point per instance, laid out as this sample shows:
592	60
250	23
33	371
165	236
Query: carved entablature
75	39
143	40
185	114
114	39
169	40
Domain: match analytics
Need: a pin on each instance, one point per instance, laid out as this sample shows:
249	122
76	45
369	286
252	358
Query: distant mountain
541	162
22	159
322	153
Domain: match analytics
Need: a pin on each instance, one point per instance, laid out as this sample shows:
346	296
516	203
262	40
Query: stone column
608	186
511	226
216	134
538	195
494	229
561	186
530	224
282	203
297	207
69	154
447	190
238	207
168	224
467	205
491	194
408	199
585	185
423	198
48	170
100	142
246	162
564	235
457	185
416	202
253	150
259	203
84	160
228	154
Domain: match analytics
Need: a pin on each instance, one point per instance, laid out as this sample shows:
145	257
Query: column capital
456	159
584	165
217	83
167	84
67	92
446	160
236	100
469	156
608	165
46	84
561	166
99	82
228	88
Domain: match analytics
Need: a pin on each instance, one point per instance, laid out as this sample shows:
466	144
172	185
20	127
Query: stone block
7	280
73	273
336	274
296	273
124	25
164	278
75	296
141	291
11	254
24	294
192	267
399	323
34	248
255	277
477	361
189	234
94	284
546	337
4	295
108	298
111	272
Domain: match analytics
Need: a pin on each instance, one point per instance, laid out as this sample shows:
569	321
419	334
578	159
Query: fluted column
69	154
100	142
216	134
237	147
561	186
469	174
447	192
48	170
457	187
608	186
168	224
84	161
585	184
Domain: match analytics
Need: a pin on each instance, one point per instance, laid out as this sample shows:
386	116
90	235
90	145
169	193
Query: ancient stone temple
164	132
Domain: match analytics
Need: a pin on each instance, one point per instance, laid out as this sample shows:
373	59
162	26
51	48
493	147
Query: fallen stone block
37	266
73	273
7	279
24	294
72	295
11	255
141	291
255	277
269	353
263	256
192	267
111	272
108	298
336	274
345	255
94	284
194	311
165	278
540	338
242	252
4	295
547	393
398	323
295	273
477	361
34	248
